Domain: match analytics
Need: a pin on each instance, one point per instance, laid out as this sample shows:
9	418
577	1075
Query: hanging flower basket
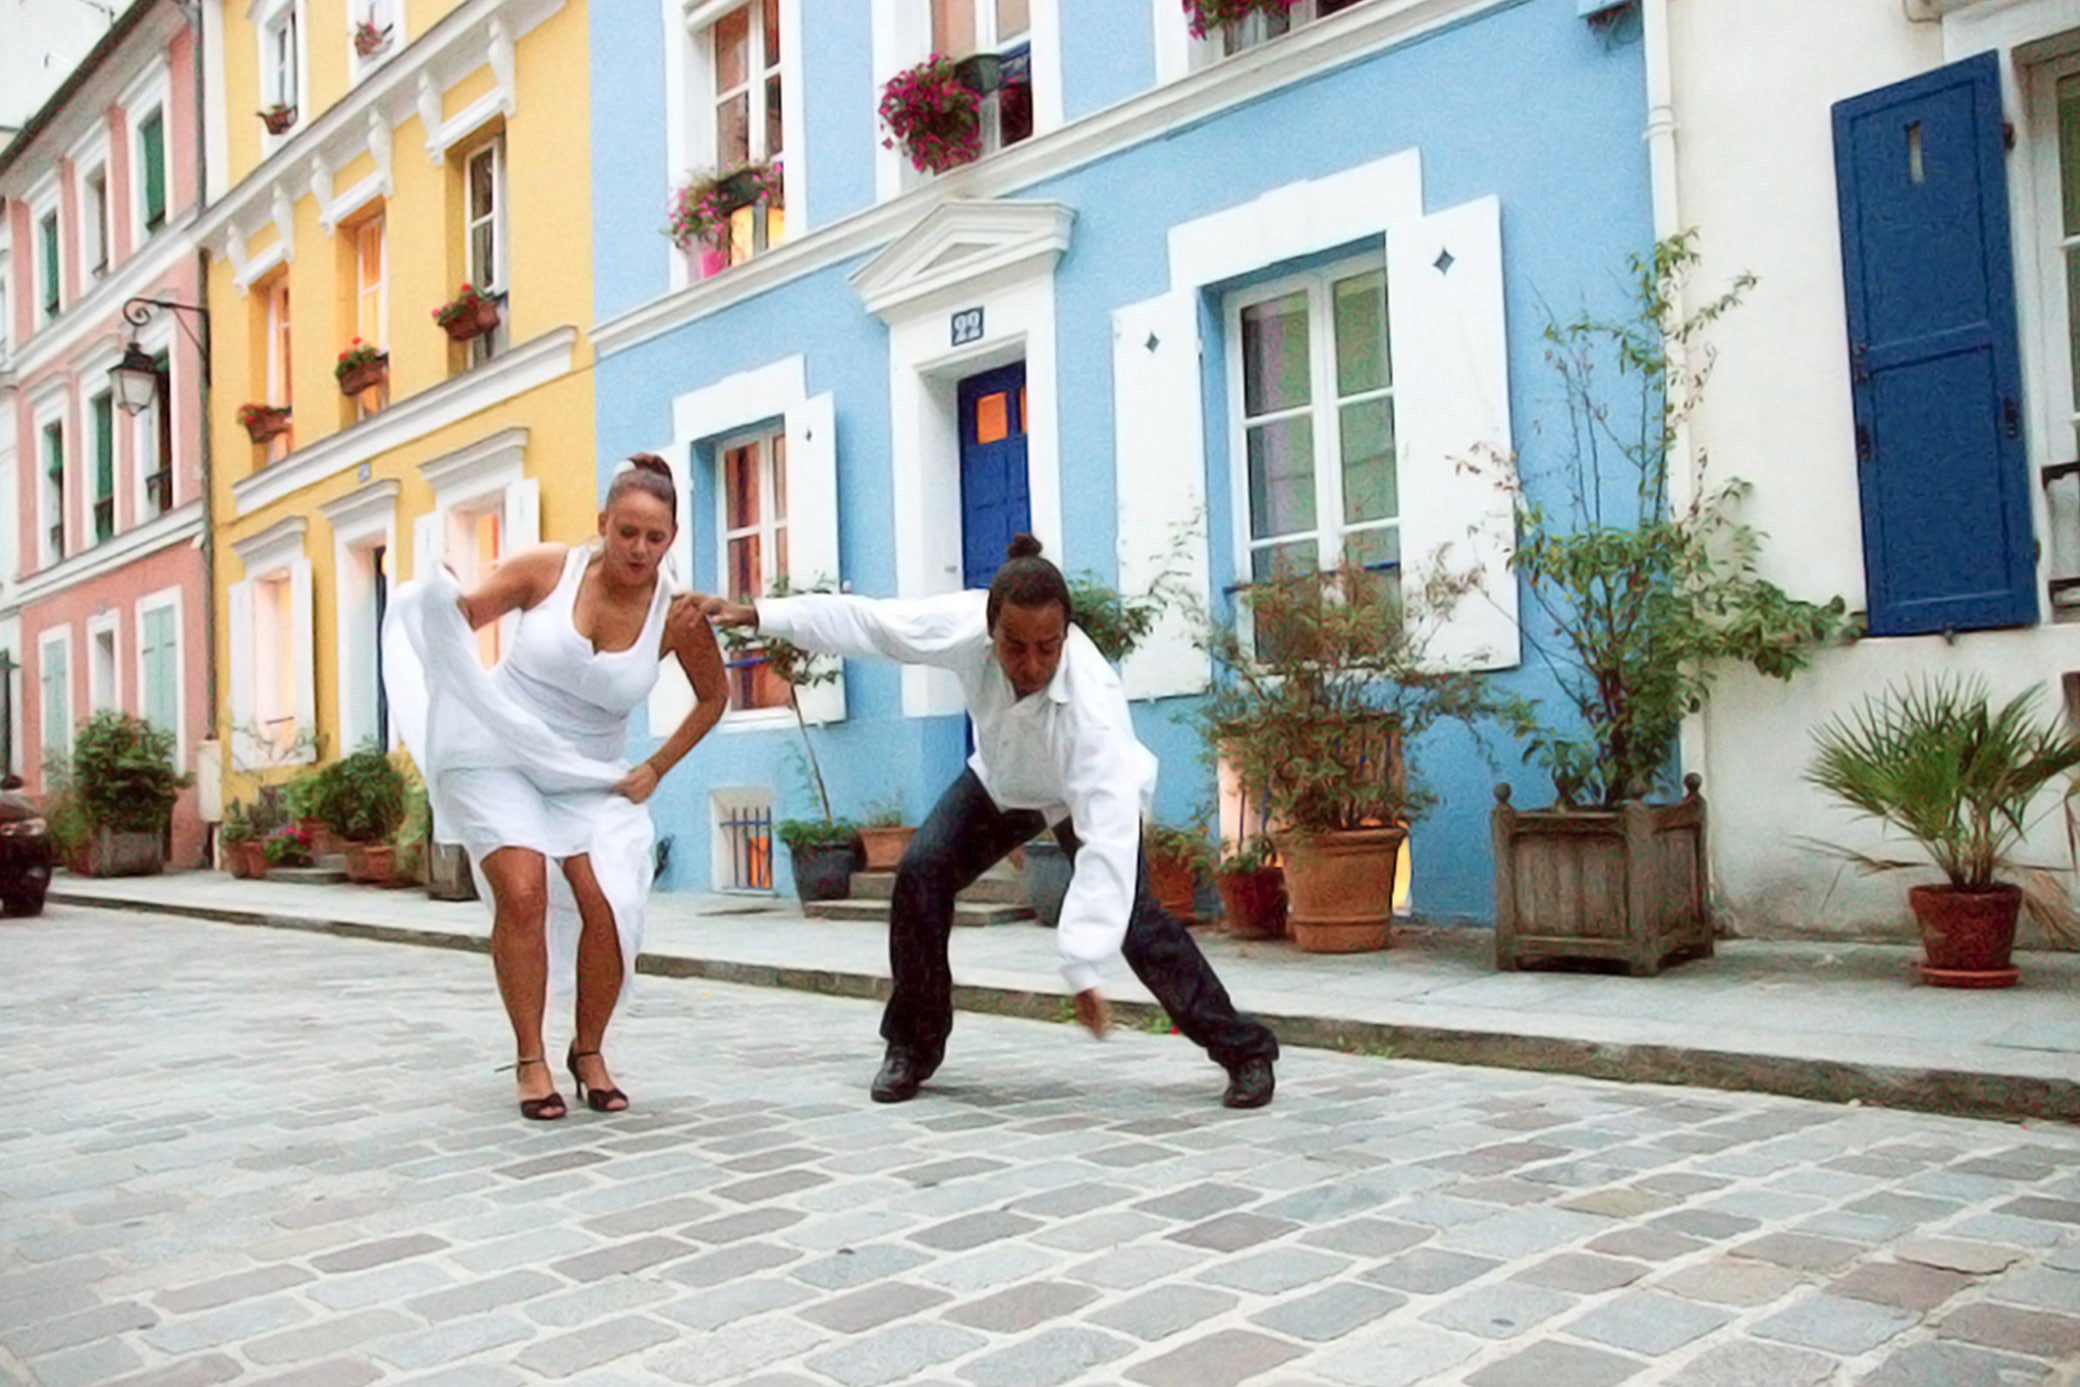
262	422
702	207
471	313
369	40
1205	16
361	366
278	119
934	115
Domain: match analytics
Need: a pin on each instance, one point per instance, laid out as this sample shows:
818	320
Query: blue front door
1934	361
995	502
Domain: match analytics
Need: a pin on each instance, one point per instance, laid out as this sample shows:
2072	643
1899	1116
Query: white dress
527	753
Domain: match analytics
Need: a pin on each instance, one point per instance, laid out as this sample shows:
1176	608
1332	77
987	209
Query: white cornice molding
182	523
1249	76
475	34
274	547
520	370
474	466
957	245
368	508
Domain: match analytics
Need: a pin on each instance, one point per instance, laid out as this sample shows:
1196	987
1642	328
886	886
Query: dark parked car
25	854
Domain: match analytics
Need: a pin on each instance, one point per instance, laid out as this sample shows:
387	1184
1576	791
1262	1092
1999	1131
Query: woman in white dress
524	763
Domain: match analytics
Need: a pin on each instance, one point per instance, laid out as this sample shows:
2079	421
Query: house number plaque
967	326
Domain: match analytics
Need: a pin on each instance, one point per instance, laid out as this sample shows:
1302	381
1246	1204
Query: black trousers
964	836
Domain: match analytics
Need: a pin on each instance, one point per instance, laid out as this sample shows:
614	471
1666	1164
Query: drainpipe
1663	183
193	13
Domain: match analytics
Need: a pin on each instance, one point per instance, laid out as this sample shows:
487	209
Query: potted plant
370	40
289	846
240	843
825	854
361	366
1937	762
936	117
1324	687
471	313
123	773
883	836
362	803
1646	600
1252	887
65	818
1174	856
263	421
278	118
703	206
1205	16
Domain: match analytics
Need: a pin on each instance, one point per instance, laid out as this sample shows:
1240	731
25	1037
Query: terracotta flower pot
478	318
245	859
379	864
1341	889
369	373
1968	936
883	847
278	119
1173	881
267	423
1254	903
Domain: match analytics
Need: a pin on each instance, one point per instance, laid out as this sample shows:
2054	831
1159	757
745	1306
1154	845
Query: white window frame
104	686
165	599
88	158
1324	406
43	205
902	38
377	336
490	344
280	368
97	374
2059	412
478	479
61	638
276	554
380	12
690	100
156	340
1178	53
762	433
151	91
269	19
361	521
54	409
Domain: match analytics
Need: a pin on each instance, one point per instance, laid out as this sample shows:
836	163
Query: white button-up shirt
1068	751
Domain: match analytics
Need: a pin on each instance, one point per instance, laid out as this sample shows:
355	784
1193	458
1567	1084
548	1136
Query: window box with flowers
370	40
278	118
471	313
703	208
361	366
263	422
933	114
1207	16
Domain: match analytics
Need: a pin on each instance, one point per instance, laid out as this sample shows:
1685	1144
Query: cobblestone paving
240	1155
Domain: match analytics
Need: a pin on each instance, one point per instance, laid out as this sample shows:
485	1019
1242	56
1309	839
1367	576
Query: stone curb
1956	1092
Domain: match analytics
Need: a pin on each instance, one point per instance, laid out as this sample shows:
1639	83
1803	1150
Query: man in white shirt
1053	744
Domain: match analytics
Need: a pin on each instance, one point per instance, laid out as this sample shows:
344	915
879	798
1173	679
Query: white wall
41	41
1755	84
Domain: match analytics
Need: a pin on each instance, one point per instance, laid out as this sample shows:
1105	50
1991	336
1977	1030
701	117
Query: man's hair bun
1022	546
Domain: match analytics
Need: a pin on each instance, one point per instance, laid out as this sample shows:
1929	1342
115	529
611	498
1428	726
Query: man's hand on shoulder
718	611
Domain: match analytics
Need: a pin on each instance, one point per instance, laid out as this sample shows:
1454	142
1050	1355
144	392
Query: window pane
780	551
1369	491
483	255
1280	562
777	446
1281	478
152	135
953	27
1274	355
483	184
733	49
1014	17
744	580
1361	333
2073	315
740	486
776	129
1373	548
733	130
2069	150
772	33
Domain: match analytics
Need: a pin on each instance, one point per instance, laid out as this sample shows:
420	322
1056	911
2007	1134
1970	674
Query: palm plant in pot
1324	688
1936	761
1645	599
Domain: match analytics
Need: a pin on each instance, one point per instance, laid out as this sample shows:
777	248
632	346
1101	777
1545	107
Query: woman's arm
693	641
515	584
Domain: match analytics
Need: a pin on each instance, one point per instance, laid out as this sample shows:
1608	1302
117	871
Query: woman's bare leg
519	883
601	971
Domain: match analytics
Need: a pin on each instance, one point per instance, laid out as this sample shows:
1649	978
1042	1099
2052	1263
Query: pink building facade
104	577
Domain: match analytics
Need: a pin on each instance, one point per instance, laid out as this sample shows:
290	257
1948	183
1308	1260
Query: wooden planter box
474	321
113	854
368	373
1624	885
268	424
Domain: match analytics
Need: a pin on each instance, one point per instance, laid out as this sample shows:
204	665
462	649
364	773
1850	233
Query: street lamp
136	376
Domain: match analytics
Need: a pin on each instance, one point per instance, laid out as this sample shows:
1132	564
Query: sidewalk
1836	1022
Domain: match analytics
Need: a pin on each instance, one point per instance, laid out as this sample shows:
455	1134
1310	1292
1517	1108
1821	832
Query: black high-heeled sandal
548	1107
597	1099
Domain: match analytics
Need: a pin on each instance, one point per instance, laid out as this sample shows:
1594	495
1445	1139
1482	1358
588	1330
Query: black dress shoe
901	1074
1249	1085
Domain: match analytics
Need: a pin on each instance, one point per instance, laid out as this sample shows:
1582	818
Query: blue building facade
1203	305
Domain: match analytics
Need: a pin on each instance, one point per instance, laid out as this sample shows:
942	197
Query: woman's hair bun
650	462
1022	546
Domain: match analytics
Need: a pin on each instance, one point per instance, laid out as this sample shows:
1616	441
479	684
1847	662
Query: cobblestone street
249	1155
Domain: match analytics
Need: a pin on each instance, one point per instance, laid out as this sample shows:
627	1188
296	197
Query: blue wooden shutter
1934	363
160	703
152	135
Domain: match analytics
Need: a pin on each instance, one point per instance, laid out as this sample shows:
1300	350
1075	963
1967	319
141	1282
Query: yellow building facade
367	419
